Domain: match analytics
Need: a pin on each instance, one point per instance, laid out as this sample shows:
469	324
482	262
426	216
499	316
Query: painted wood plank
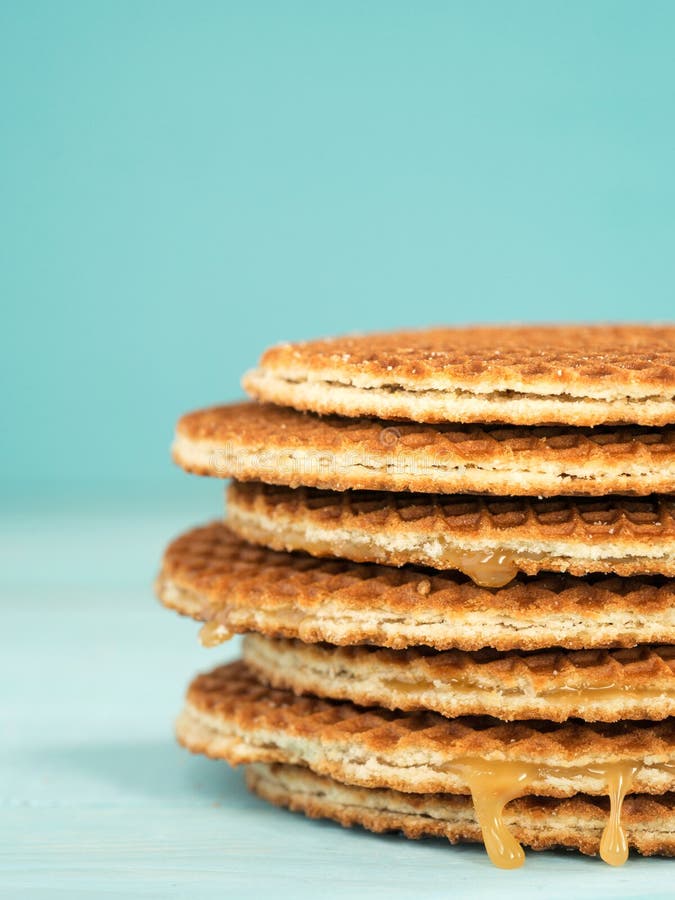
97	800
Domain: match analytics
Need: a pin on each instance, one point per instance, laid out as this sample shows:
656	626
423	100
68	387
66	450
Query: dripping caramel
486	568
213	633
494	783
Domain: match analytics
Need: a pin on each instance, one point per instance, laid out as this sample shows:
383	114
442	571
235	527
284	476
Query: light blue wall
182	184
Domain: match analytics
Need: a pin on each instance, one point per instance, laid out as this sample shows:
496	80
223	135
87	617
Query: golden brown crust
210	574
230	715
593	685
625	536
578	375
541	823
277	445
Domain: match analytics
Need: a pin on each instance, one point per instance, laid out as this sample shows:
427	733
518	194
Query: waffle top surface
599	520
489	538
539	822
628	370
594	685
639	667
280	445
233	693
211	574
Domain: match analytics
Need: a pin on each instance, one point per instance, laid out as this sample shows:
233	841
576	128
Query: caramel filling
604	693
487	568
562	694
494	784
213	633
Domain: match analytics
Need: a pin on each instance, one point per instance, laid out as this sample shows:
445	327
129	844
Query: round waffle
522	375
212	575
230	715
489	539
277	445
594	685
541	823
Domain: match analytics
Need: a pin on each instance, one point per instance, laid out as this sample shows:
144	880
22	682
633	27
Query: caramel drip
487	568
213	633
493	785
491	568
614	844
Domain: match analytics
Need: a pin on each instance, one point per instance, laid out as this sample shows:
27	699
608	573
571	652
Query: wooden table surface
97	800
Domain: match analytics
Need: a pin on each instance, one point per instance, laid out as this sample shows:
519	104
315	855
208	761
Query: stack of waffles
452	555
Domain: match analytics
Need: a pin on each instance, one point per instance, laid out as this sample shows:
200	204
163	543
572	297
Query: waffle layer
277	445
523	375
594	685
212	575
540	823
490	539
230	715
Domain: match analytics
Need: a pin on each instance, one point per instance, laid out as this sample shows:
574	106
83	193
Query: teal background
183	184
